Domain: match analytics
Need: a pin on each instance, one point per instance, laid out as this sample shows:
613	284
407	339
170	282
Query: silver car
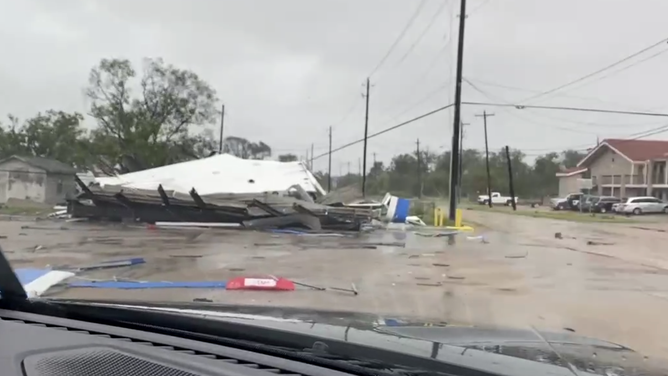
641	205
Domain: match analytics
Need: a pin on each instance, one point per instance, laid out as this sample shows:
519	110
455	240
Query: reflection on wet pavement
523	276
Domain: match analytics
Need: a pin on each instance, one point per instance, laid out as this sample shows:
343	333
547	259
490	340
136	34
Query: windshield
330	157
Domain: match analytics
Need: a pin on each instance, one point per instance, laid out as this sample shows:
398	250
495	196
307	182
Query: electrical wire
475	9
629	57
438	12
489	96
565	108
399	37
386	130
589	123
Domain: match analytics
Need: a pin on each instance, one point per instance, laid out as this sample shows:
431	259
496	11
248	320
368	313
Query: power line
480	5
564	108
399	37
386	130
664	40
424	31
650	57
493	97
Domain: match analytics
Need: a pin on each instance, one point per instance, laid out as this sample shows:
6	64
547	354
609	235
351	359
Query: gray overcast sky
287	69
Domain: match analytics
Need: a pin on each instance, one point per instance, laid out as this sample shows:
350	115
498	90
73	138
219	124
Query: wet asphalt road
521	277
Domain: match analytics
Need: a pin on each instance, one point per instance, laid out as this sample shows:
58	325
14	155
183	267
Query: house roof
46	164
571	171
633	150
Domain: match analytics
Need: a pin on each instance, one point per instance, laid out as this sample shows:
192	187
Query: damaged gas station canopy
223	173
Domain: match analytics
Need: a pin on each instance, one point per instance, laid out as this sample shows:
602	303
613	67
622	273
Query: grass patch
31	211
559	215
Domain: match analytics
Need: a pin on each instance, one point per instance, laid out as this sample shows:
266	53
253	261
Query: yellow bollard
437	215
458	218
442	222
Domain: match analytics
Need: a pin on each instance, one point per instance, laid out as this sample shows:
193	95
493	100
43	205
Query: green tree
570	158
148	129
287	158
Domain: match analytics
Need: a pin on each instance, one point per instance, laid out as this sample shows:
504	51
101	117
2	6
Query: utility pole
454	157
348	167
460	168
419	168
366	133
329	168
311	162
222	123
374	158
484	116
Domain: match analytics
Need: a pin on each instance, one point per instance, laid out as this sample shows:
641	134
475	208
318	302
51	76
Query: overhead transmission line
438	12
385	130
650	132
616	63
399	37
565	108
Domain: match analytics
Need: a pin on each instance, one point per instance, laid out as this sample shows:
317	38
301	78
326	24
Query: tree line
162	114
429	176
135	121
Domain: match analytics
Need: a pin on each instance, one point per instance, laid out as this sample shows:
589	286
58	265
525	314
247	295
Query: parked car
643	205
496	199
617	206
569	202
605	204
587	202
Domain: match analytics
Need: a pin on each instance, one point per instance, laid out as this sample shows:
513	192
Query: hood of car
502	350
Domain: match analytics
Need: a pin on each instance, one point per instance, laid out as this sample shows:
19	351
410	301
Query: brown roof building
621	168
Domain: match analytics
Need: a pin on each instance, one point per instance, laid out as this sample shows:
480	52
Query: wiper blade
11	289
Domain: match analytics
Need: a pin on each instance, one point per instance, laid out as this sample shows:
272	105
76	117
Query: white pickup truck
496	199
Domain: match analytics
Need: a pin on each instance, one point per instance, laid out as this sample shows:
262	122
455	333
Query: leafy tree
572	157
287	158
149	129
245	149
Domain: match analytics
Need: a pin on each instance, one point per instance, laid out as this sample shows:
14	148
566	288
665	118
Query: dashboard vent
160	346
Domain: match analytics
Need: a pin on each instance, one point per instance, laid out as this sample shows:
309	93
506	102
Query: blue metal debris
125	285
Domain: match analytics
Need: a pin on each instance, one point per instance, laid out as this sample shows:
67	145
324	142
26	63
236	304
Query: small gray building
36	179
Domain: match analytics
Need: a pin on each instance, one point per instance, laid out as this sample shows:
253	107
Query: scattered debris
352	289
479	237
439	234
592	242
649	229
309	286
36	282
203	300
518	256
185	256
135	285
455	277
570	329
260	283
111	264
28	227
437	284
441	265
557	235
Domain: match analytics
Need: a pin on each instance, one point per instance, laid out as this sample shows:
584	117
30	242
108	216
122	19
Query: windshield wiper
11	289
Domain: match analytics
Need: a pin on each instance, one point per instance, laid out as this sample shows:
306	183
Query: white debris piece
40	285
223	173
